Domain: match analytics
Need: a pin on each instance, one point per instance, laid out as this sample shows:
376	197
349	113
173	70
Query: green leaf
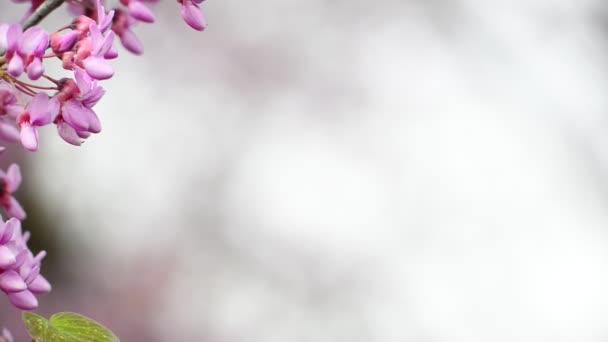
81	328
67	327
40	329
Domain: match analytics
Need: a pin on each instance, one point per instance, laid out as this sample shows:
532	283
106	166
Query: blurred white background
343	171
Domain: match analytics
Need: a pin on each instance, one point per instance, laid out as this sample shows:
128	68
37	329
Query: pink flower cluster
20	275
85	48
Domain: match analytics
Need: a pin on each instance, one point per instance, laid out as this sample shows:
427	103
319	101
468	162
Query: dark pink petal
193	16
11	281
74	114
97	68
140	11
40	285
68	133
130	41
14	209
13	178
7	257
24	300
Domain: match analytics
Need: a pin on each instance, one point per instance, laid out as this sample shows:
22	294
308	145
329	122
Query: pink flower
93	51
139	11
122	27
24	50
40	112
9	183
9	109
192	15
77	119
20	275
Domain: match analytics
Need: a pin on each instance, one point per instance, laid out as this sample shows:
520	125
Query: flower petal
24	300
11	281
192	15
98	68
13	178
14	209
140	11
29	137
40	285
7	257
68	133
74	115
35	69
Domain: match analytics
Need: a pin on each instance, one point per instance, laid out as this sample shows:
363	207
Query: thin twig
42	11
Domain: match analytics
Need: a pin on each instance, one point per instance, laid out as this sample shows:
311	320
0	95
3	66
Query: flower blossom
9	183
123	22
9	109
24	50
40	112
77	118
192	15
88	45
139	11
20	276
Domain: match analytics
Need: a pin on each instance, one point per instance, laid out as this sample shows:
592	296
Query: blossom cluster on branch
30	99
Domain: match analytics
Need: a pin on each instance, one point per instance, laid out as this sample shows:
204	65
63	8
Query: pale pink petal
98	68
11	281
7	257
24	300
9	230
13	178
40	285
68	133
29	137
15	66
130	41
34	41
140	11
73	113
193	16
14	209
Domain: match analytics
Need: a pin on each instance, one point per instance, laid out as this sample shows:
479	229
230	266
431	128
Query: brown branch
42	11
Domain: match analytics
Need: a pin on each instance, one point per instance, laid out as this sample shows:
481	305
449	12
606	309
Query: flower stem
42	11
